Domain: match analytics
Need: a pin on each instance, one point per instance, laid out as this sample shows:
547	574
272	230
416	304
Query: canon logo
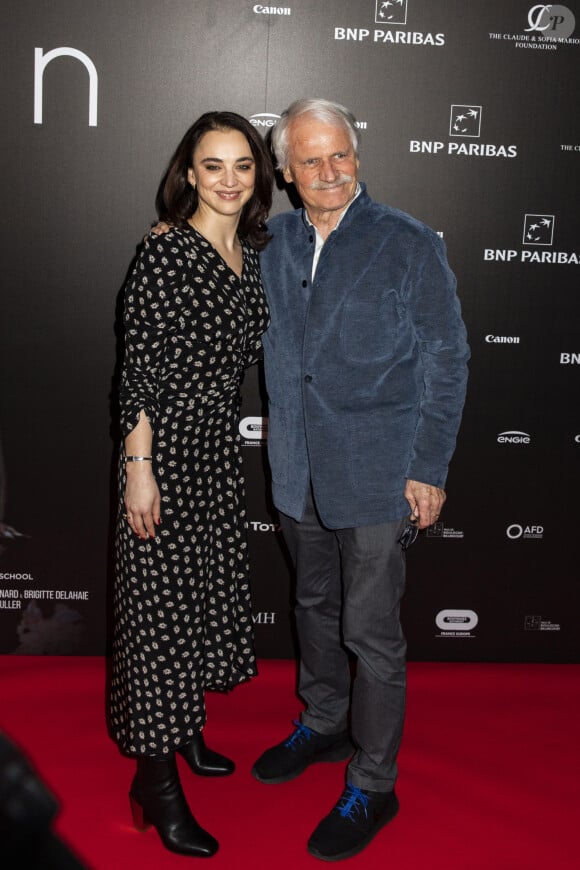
272	10
502	339
513	437
570	359
452	620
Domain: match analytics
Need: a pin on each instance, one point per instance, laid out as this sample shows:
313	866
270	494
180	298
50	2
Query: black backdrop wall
469	119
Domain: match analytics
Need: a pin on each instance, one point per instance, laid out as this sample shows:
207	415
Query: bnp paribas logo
538	229
465	121
390	11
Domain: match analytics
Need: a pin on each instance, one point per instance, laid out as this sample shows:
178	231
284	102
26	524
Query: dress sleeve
147	317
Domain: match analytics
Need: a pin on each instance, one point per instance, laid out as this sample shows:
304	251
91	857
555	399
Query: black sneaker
304	747
353	823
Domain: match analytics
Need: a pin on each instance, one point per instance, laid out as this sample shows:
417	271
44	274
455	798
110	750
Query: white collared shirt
319	240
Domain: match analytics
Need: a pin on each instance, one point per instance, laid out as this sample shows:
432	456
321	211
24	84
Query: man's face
322	164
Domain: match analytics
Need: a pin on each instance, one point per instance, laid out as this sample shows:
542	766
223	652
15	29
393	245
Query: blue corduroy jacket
366	366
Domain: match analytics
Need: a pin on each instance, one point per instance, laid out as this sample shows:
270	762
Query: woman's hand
142	499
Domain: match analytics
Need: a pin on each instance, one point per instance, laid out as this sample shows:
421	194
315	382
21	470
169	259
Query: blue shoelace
301	735
352	803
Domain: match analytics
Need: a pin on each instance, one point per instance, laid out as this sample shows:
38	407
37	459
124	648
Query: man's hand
160	228
425	501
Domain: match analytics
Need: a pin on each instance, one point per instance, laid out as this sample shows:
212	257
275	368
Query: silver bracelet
138	459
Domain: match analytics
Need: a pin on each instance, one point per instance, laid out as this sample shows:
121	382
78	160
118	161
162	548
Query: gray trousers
349	584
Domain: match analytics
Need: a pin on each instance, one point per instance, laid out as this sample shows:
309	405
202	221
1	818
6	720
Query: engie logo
464	123
513	437
515	532
264	120
254	431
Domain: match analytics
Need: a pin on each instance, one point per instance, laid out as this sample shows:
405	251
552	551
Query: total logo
513	437
456	623
264	527
515	532
254	431
537	235
548	26
390	14
464	123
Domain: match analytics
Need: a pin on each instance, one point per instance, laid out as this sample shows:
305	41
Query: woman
194	314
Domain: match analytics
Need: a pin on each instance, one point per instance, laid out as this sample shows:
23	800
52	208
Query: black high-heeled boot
157	799
205	761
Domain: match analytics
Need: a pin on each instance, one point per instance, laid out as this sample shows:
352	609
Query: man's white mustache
326	185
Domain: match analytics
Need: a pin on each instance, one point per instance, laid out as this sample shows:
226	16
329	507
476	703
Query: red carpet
489	770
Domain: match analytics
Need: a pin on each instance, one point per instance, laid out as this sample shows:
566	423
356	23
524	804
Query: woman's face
223	171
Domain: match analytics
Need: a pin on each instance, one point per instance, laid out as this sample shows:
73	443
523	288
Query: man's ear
287	175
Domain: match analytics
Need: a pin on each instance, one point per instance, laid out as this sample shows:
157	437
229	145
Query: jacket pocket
370	326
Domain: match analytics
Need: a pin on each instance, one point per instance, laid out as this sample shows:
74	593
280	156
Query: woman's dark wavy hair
177	199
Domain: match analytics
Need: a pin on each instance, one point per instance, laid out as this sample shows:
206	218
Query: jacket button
310	238
305	283
308	378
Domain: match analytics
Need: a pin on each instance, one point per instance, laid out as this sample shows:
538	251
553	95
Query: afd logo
516	532
41	62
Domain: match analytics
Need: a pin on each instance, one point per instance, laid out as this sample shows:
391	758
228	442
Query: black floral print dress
182	600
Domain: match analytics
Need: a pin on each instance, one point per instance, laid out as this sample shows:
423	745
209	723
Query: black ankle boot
157	799
205	761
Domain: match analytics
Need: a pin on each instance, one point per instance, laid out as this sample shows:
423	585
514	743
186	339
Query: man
366	372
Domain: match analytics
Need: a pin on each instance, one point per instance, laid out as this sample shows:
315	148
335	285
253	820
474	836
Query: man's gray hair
322	110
